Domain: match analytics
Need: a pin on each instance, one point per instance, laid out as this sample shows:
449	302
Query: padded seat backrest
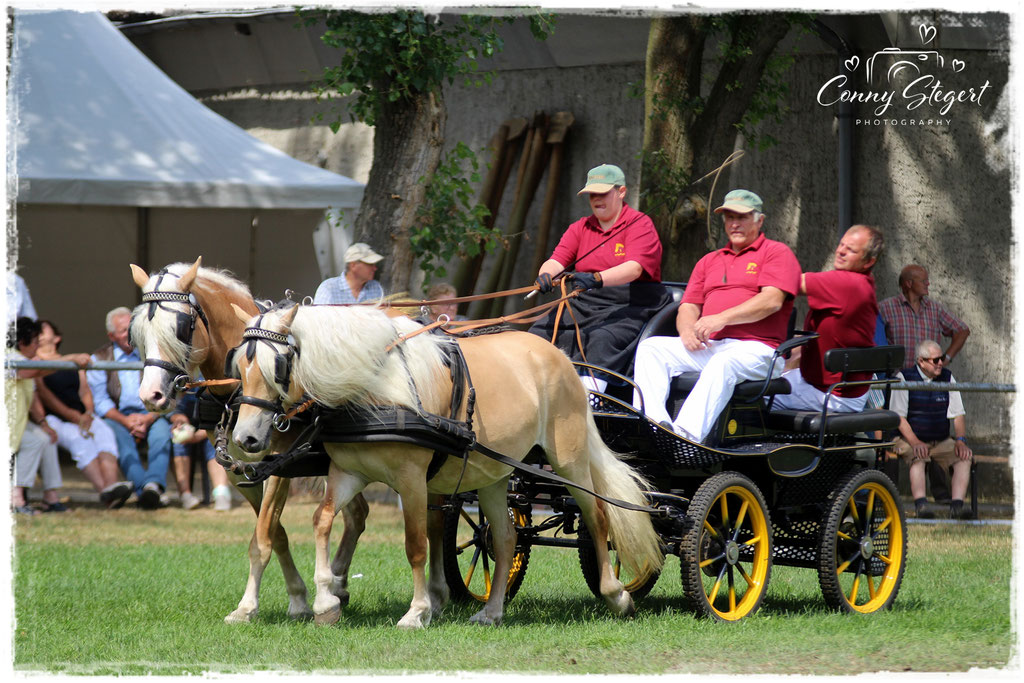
874	359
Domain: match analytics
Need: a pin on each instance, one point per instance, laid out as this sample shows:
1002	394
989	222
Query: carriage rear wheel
726	553
469	553
638	585
863	546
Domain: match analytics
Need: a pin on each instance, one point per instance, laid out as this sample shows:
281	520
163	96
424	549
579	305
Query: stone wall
940	193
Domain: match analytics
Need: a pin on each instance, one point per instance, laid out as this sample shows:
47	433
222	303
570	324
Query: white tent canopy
94	122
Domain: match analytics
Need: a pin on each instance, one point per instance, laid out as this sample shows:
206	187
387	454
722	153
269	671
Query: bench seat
809	421
683	384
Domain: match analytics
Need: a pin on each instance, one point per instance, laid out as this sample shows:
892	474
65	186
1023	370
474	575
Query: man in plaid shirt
911	318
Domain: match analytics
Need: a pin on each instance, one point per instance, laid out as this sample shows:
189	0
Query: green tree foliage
393	68
696	105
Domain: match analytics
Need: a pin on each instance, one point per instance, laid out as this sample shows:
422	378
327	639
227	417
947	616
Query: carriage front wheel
638	586
863	546
726	553
468	552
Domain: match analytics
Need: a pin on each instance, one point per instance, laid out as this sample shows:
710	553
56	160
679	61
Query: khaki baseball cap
361	251
603	178
740	201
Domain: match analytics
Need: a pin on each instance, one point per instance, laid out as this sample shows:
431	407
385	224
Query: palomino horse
527	395
184	326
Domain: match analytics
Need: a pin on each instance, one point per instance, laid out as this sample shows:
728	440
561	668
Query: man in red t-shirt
733	314
843	311
614	255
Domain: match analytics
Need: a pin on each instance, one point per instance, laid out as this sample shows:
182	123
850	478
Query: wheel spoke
855	513
746	577
724	505
869	508
739	519
712	530
711	560
755	541
469	519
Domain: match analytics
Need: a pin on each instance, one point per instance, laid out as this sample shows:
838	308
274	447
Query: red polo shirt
632	238
724	278
843	311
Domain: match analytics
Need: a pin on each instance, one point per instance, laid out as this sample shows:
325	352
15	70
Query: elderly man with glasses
924	429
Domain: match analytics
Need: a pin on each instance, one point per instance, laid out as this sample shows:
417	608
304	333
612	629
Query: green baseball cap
740	201
603	178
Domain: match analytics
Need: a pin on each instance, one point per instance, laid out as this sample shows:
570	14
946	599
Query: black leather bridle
184	328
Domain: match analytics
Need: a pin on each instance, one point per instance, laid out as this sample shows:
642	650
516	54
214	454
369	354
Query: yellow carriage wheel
469	555
863	549
726	553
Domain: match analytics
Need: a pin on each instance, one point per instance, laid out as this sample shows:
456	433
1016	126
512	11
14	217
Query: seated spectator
356	284
30	439
843	311
733	315
441	290
69	411
185	436
116	396
924	429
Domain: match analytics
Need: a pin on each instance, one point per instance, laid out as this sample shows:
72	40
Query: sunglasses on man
936	360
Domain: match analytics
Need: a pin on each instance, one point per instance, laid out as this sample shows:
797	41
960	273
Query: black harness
446	436
184	328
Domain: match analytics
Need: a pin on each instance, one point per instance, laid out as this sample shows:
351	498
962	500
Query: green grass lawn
131	593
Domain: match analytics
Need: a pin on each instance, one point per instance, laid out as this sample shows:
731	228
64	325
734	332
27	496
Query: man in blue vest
924	429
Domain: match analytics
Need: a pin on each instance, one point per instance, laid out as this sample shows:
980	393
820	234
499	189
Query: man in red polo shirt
733	314
843	311
614	255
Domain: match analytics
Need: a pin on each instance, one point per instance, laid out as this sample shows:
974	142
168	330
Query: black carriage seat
878	359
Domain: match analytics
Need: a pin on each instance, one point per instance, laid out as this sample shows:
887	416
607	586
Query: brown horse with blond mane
527	395
186	328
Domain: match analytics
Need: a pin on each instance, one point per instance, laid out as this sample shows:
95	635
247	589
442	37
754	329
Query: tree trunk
407	141
683	142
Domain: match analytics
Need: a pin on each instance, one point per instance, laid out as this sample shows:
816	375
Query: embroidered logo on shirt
620	249
751	268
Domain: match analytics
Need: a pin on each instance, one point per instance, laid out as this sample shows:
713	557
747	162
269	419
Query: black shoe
115	495
55	507
924	513
149	499
960	512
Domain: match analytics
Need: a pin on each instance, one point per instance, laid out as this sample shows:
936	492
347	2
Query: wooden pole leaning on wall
503	146
535	162
557	132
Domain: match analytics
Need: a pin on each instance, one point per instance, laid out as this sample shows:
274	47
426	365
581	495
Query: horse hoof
329	617
240	617
484	620
301	615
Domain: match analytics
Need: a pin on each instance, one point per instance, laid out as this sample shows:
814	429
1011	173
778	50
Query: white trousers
722	364
37	454
84	449
806	396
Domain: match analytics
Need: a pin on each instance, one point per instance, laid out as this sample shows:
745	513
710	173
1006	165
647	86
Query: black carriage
769	487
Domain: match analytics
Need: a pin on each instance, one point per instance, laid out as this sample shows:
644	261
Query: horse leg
615	594
414	508
342	488
494	504
269	537
354	517
437	587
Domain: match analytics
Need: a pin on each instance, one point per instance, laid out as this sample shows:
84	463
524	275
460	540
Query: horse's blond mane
343	358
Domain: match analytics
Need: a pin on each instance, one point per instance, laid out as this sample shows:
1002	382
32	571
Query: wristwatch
962	438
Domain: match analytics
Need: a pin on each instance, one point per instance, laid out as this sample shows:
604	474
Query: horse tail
630	531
